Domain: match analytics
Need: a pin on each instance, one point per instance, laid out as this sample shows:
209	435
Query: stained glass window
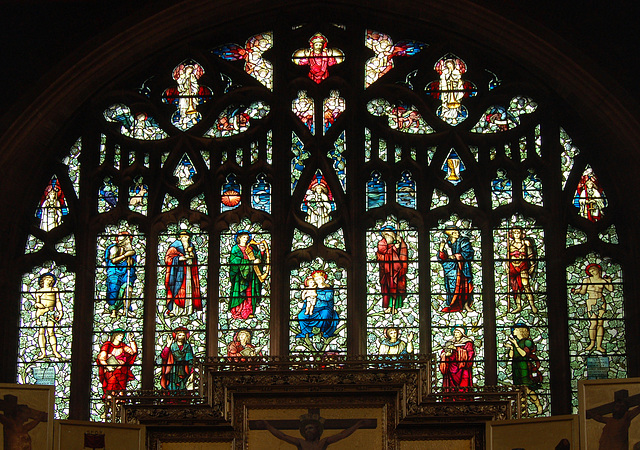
435	219
385	51
501	190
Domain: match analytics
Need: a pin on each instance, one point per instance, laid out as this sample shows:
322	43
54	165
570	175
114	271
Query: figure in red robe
318	57
456	361
392	258
114	362
182	280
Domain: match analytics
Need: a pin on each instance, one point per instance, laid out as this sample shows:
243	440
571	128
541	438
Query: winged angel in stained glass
385	50
254	64
318	57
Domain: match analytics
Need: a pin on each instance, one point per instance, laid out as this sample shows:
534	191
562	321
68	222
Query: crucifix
311	426
16	431
615	433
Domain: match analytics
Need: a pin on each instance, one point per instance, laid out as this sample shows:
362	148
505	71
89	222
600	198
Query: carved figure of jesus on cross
615	434
15	426
311	426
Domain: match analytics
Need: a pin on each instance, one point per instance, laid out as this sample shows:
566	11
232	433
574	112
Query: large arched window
325	187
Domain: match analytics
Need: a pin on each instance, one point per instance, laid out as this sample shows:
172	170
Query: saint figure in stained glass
242	346
522	267
451	89
392	256
334	105
303	107
120	262
177	361
114	362
318	201
52	206
318	57
182	280
456	360
525	364
187	95
594	285
393	345
455	254
248	270
589	197
324	319
48	313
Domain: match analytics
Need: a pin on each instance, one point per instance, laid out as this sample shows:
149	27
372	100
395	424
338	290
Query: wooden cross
329	424
10	405
607	408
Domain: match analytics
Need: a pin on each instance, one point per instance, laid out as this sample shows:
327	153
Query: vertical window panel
456	303
245	290
118	313
45	333
521	310
181	308
392	288
595	303
318	320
